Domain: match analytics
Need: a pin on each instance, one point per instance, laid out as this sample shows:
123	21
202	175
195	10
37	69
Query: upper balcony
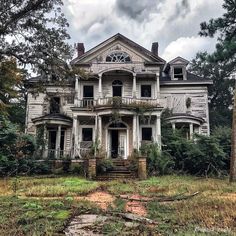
119	102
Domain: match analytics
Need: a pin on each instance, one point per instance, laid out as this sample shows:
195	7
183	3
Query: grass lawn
44	205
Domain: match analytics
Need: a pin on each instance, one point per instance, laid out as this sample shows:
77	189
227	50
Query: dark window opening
178	73
70	99
62	140
88	91
117	88
147	134
52	139
87	134
55	105
146	91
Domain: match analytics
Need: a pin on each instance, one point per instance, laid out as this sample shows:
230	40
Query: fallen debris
178	197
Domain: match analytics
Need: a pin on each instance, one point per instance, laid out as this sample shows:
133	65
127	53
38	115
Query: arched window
118	57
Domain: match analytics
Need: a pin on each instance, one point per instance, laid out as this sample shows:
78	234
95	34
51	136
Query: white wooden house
118	107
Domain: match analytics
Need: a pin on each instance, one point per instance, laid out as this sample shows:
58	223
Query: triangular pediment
179	61
118	43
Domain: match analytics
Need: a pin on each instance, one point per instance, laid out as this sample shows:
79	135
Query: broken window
146	91
147	134
87	134
178	73
55	105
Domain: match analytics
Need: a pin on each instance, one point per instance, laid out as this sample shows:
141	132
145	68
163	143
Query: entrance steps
120	171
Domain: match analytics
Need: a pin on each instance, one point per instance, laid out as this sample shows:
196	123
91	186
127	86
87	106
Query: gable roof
129	42
184	61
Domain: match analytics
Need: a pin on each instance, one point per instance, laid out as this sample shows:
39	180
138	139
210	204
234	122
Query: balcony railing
117	102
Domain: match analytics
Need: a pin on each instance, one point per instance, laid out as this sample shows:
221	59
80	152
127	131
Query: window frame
147	127
87	127
145	84
178	67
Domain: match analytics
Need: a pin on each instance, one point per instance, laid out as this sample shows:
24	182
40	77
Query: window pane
55	105
178	73
87	134
88	91
146	91
147	134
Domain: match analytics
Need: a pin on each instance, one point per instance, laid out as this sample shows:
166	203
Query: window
88	91
117	88
70	99
147	134
178	73
118	57
146	91
55	105
87	134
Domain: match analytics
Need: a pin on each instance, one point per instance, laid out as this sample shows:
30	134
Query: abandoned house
118	106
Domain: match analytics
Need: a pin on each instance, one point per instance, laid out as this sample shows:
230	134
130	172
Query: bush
104	166
202	156
158	162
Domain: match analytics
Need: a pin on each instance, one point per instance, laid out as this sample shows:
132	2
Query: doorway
117	88
118	143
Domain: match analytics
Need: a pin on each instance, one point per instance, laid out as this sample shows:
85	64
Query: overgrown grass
44	205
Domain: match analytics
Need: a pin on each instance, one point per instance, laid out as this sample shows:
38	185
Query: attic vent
118	57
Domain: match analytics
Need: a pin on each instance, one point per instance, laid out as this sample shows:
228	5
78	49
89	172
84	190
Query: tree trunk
232	176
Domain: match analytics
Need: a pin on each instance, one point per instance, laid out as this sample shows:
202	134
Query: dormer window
178	73
118	57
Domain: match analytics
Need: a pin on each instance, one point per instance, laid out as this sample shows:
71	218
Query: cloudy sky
172	23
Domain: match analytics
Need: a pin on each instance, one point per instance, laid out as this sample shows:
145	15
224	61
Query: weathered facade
118	106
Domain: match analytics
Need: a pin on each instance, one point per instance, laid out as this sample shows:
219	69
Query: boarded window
146	91
87	134
147	134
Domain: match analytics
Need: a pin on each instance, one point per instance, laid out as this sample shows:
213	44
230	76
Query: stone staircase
120	171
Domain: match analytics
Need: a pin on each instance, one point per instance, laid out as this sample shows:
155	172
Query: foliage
202	156
224	28
105	165
34	33
158	162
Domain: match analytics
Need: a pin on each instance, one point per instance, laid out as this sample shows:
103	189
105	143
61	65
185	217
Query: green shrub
158	162
105	165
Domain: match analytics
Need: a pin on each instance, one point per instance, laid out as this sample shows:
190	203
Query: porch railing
119	102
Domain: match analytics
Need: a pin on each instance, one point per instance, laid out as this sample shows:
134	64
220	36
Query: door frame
108	136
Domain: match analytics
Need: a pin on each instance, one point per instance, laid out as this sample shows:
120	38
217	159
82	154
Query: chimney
155	48
80	49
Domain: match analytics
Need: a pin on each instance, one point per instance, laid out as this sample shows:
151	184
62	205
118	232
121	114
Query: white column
100	130
58	141
135	131
100	85
76	100
134	86
138	133
173	126
158	131
158	86
75	135
45	148
191	130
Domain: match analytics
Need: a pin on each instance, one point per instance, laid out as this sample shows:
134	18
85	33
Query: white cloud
186	47
165	21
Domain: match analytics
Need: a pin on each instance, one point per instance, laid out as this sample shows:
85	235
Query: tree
225	52
34	32
221	92
225	27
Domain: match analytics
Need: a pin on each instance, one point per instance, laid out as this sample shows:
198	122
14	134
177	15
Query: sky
174	24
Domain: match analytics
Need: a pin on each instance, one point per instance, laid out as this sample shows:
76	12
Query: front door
118	143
